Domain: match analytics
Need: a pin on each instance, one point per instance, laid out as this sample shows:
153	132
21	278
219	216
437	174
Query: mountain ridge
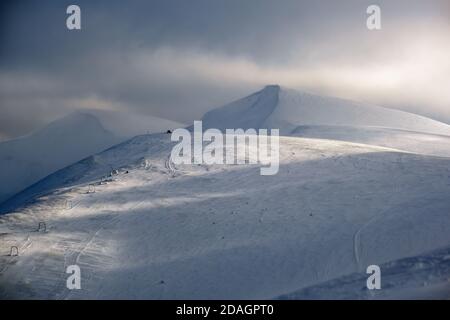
285	109
26	160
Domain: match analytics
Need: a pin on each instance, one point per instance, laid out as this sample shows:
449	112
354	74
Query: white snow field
155	230
410	141
28	159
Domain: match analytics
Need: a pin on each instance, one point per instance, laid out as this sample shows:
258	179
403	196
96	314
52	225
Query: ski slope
162	231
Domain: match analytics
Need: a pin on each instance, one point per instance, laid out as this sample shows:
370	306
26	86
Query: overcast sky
178	59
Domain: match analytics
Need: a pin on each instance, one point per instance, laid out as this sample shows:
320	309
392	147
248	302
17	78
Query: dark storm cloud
178	58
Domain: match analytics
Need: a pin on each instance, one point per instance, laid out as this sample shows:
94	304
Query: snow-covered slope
296	108
28	159
197	231
420	277
297	113
415	142
286	109
157	230
249	112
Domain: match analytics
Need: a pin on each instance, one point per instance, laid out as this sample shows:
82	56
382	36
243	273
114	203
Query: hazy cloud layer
177	59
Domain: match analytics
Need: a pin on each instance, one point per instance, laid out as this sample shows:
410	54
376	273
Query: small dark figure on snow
169	131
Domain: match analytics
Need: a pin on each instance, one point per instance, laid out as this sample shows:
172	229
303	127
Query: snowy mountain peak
249	112
271	87
287	109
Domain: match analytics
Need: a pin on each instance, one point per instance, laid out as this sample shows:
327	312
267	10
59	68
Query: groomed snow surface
347	195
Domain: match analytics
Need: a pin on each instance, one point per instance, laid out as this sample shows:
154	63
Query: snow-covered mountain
303	114
28	159
278	107
140	226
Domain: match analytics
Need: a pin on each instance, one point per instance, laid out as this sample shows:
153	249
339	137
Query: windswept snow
286	109
410	141
140	226
194	231
26	160
421	277
249	112
298	108
303	114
